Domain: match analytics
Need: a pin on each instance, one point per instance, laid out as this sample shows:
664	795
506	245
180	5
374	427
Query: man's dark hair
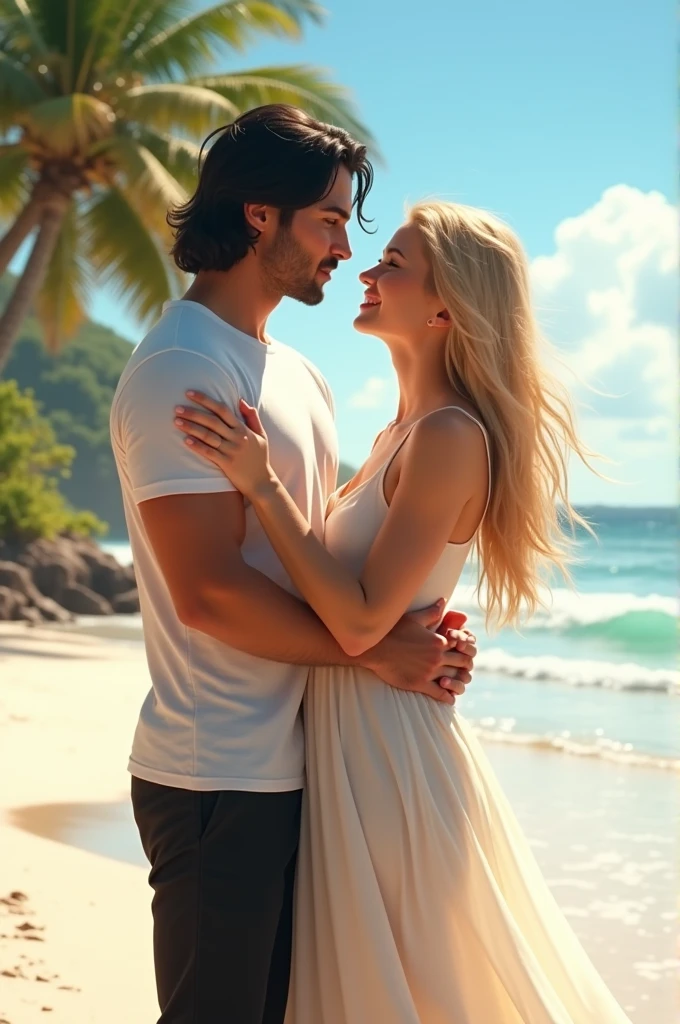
277	155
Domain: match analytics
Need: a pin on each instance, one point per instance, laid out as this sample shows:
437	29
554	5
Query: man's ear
257	216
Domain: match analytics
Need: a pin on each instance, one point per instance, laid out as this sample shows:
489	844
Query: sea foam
581	673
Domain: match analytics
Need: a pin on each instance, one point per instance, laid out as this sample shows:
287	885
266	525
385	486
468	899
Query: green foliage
75	393
31	461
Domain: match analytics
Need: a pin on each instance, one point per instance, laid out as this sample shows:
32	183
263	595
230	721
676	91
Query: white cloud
608	297
373	394
657	429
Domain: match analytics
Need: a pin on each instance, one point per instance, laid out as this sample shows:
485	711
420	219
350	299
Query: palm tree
101	110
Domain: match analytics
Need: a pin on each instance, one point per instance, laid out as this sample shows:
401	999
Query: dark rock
53	612
7	603
53	578
82	543
84	601
127	603
90	552
9	550
107	576
94	556
63	577
55	565
11	602
110	580
21	599
17	577
29	614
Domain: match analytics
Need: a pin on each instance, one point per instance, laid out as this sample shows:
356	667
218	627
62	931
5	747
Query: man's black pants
222	871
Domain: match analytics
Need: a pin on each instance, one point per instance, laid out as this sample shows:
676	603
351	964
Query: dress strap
382	473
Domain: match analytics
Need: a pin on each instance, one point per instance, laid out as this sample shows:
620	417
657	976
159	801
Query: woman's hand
238	448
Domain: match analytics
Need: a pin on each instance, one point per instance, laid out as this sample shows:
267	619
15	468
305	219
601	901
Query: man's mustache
329	265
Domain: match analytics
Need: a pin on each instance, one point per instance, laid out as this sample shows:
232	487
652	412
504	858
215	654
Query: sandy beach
80	922
75	926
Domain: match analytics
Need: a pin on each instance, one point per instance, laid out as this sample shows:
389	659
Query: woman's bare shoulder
449	447
453	424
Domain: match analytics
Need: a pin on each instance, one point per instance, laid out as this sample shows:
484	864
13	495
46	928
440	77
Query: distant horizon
639	510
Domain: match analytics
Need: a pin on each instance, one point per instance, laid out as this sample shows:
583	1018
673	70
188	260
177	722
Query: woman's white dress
418	899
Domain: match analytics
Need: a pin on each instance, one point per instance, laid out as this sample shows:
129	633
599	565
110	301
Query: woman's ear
442	319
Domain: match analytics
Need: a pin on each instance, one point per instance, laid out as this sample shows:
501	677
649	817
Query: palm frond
13	181
192	41
189	108
63	26
18	90
127	256
147	185
113	25
300	85
136	23
22	32
63	298
179	156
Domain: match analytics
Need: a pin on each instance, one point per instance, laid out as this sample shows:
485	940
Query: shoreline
68	707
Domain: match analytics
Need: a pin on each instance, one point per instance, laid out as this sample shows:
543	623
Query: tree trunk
20	229
29	283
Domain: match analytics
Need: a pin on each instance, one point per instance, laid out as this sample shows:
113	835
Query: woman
419	900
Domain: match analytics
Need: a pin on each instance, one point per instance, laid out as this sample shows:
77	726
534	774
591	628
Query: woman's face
397	301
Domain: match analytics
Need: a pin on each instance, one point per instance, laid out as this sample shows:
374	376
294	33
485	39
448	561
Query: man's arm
197	540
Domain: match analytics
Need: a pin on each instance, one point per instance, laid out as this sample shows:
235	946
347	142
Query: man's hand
462	640
413	657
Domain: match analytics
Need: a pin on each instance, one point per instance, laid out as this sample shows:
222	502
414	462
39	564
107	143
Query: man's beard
289	270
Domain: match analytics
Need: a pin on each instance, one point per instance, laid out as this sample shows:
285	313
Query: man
218	755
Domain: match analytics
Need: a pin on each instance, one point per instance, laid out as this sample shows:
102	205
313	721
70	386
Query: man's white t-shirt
216	717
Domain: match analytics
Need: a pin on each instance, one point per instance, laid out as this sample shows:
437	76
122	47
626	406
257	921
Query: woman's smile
370	301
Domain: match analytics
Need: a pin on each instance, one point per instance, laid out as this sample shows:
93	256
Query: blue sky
560	118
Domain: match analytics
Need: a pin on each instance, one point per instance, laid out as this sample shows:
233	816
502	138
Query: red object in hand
452	620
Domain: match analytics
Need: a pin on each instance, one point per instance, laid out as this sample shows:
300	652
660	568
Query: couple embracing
328	843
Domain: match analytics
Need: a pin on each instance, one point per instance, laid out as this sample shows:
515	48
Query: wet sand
604	835
605	838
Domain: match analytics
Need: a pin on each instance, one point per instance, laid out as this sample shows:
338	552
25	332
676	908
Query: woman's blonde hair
480	273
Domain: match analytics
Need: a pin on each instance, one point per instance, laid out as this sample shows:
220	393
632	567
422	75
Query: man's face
303	253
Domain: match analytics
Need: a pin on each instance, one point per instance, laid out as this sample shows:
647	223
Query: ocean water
595	674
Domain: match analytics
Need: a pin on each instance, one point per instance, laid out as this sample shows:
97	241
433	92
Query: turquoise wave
651	630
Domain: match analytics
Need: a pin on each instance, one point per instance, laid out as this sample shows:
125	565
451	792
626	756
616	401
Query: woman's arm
432	491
